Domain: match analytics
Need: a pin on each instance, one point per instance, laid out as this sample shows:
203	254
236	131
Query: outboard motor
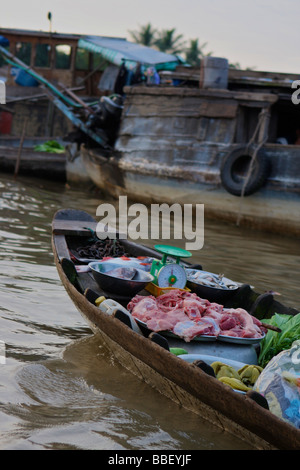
106	118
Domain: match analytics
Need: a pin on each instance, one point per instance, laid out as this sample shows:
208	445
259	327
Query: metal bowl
109	283
213	294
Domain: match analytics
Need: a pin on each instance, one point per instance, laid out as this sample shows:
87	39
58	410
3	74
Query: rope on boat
261	124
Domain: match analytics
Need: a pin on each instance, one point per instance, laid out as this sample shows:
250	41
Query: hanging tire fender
234	170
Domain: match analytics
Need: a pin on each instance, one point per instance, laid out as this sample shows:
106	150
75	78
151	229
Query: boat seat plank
61	247
86	281
79	228
73	227
73	214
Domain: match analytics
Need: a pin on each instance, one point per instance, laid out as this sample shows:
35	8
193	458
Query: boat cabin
56	57
284	119
87	65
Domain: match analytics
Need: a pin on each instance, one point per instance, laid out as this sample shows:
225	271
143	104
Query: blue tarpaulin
4	42
119	50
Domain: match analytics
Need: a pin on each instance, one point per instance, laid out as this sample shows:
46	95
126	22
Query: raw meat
240	322
187	316
189	329
165	321
144	307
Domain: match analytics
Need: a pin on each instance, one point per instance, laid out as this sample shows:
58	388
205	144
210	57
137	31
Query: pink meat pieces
238	322
214	311
189	329
176	299
187	315
143	307
166	322
194	308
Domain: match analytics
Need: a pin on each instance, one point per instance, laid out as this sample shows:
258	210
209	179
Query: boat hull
186	384
274	208
24	160
172	145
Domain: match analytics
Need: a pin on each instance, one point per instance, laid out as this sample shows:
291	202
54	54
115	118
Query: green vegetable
51	147
273	343
178	351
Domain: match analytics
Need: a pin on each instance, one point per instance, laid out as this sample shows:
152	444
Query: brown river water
59	388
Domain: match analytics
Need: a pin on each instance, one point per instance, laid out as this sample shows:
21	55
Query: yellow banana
249	374
223	370
234	383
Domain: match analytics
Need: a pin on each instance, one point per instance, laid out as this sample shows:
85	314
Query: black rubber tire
237	160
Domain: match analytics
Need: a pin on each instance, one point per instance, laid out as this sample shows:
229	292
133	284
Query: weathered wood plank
73	227
195	92
61	247
171	106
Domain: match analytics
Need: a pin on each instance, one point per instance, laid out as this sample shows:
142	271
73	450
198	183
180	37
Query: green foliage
51	146
169	42
273	343
195	52
146	36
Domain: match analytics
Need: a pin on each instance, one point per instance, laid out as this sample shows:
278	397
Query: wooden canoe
185	383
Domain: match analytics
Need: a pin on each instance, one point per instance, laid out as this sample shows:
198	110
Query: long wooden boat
26	161
149	355
17	156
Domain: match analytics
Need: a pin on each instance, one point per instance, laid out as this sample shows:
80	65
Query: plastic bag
279	383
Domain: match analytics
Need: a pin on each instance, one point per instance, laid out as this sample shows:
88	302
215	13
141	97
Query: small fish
122	273
208	279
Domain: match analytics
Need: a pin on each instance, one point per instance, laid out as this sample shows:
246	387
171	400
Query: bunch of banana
243	379
223	370
234	383
249	374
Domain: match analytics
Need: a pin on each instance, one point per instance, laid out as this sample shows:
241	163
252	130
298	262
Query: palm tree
146	35
194	53
169	43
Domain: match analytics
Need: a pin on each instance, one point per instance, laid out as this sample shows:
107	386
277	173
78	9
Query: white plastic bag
279	383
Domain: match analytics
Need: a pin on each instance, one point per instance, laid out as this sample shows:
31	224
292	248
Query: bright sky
255	33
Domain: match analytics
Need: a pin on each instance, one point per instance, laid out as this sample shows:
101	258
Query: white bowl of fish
111	277
210	286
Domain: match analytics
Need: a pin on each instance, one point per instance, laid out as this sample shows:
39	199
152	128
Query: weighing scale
167	273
